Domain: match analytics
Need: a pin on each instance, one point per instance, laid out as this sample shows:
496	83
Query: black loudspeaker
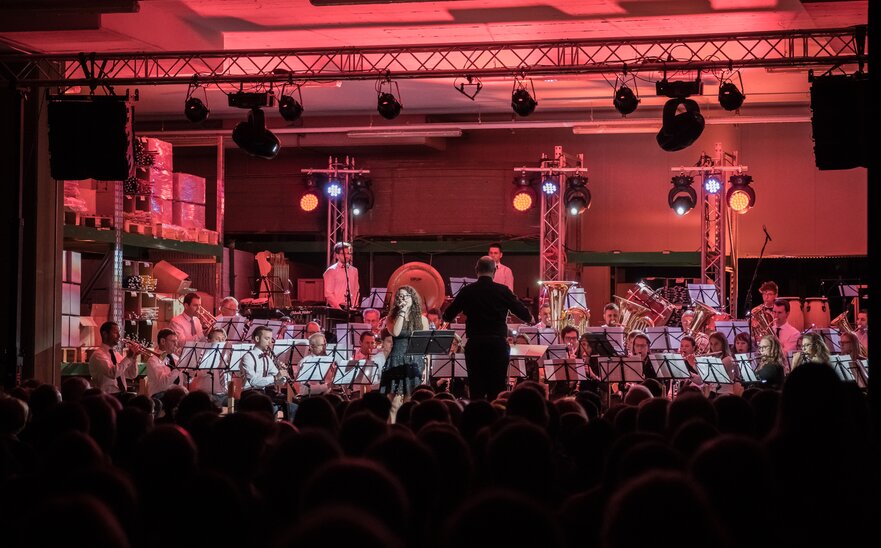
839	107
89	139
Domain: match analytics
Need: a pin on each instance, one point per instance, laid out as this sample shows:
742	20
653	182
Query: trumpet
138	347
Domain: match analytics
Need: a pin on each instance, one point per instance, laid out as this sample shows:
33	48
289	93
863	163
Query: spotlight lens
738	201
334	189
682	205
549	187
712	184
522	201
356	211
308	202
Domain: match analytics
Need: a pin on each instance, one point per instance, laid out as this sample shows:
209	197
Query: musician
640	347
229	308
434	319
335	284
544	315
743	344
591	363
385	348
317	344
367	348
687	349
212	381
371	317
109	369
258	365
187	325
771	358
611	315
769	293
503	274
850	346
782	329
813	349
702	342
162	371
402	372
569	337
312	328
719	347
486	305
862	329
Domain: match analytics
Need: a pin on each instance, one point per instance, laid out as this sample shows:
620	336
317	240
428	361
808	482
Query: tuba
842	324
760	323
702	315
633	316
556	298
577	317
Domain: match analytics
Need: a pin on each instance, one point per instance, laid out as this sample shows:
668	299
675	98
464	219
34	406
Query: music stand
731	328
567	370
355	373
314	369
431	342
621	369
274	325
459	328
337	354
190	354
576	298
606	341
556	352
850	290
669	365
546	335
522	353
712	371
747	365
704	293
239	350
215	359
842	364
376	299
664	339
347	333
449	367
832	338
234	327
295	331
456	284
861	372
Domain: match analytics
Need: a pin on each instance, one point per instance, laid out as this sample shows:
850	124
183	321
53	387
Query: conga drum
817	312
796	314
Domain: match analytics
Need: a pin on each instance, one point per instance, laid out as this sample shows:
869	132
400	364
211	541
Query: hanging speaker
839	111
90	139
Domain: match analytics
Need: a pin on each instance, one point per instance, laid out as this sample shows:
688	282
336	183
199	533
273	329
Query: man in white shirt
162	371
109	369
335	285
503	274
258	366
544	317
610	315
186	325
782	329
368	346
229	308
371	316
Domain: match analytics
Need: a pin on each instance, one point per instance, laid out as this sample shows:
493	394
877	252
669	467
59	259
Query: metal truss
816	47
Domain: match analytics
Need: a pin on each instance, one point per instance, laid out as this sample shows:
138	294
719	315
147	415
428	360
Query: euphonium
556	298
842	324
702	315
577	317
633	316
760	322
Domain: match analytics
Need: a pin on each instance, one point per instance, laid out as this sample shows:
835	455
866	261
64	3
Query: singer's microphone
766	233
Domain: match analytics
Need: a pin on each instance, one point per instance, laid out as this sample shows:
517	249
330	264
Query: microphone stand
748	305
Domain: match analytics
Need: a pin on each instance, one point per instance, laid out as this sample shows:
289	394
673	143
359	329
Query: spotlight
387	104
625	100
712	184
549	185
682	197
730	97
253	137
741	197
333	188
680	130
577	195
524	195
194	109
310	197
361	196
521	100
289	108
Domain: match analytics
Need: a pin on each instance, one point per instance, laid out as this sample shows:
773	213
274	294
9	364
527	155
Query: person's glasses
764	347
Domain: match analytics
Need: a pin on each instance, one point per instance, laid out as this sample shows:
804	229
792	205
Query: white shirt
360	356
258	369
184	325
788	337
104	373
335	285
212	382
160	376
504	276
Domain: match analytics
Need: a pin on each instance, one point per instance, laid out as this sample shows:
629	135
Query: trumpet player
109	369
259	369
187	325
162	371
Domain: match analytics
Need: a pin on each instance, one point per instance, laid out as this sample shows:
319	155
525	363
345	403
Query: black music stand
712	371
731	328
704	293
832	338
283	350
376	299
239	350
355	373
234	326
664	339
449	367
294	331
556	352
517	366
576	298
621	370
546	335
190	355
565	370
606	341
348	335
314	369
747	365
431	342
842	364
214	358
274	325
456	284
669	365
337	354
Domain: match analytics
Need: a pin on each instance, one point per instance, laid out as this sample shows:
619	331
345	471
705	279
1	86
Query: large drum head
424	279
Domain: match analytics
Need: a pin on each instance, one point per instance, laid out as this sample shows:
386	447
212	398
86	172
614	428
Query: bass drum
817	312
796	314
424	279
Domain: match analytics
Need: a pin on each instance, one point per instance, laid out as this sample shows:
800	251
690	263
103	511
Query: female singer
813	349
743	344
770	371
402	373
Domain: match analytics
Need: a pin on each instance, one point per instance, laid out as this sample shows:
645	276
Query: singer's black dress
402	372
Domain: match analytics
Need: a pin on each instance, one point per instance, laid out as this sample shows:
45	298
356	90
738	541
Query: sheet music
576	298
530	350
747	365
444	367
456	284
712	370
664	339
621	369
376	299
704	293
669	365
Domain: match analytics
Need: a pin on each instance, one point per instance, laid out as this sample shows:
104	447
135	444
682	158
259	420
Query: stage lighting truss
388	104
360	195
289	107
524	198
730	97
741	196
682	197
195	109
626	99
577	199
522	101
469	86
310	198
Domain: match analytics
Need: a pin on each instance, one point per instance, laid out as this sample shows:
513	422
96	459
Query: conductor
486	305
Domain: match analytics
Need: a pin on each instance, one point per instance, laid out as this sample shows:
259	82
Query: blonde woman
770	371
813	349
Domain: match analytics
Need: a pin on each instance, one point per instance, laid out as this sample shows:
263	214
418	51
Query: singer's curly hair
413	320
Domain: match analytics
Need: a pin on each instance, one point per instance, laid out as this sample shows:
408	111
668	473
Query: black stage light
577	195
388	106
289	108
730	97
195	110
680	130
253	137
361	195
682	197
522	102
741	197
524	197
625	100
